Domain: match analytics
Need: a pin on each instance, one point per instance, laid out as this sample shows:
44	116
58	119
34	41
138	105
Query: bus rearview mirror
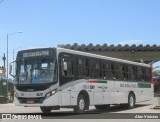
10	69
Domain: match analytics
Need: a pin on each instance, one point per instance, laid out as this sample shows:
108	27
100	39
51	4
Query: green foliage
156	72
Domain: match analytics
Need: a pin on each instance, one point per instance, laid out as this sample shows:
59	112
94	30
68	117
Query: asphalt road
114	112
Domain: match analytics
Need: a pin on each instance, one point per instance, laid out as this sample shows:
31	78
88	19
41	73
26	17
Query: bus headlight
51	93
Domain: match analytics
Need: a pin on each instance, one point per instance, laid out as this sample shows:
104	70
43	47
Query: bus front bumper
37	102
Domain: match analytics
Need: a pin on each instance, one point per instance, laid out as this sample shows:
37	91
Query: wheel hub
81	104
131	101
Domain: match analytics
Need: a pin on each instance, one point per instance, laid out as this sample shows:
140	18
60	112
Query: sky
48	23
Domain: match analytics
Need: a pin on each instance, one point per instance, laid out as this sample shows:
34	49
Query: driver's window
44	69
29	71
22	73
35	70
22	69
44	66
25	73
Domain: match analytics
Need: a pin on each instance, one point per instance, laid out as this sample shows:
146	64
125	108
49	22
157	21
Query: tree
156	72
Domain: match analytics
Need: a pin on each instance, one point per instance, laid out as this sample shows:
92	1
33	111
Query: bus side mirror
11	69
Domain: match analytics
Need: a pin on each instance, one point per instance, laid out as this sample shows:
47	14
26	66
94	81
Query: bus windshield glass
37	71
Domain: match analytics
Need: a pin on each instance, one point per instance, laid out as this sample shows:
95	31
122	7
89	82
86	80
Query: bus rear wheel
131	101
46	109
81	104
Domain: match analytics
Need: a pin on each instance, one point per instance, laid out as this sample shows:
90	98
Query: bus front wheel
131	101
45	109
81	104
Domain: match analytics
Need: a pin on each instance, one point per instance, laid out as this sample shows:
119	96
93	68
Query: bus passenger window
140	74
118	71
135	70
148	76
113	71
144	74
66	67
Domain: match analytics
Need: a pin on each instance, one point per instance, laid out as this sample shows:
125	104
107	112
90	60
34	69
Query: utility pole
4	59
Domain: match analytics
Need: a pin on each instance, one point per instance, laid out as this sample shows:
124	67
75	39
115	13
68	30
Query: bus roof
90	55
102	57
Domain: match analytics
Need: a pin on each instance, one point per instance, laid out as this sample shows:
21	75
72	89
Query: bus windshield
36	71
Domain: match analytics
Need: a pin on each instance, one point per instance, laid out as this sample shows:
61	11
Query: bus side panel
52	101
106	94
121	93
97	94
111	88
69	95
66	96
117	93
145	93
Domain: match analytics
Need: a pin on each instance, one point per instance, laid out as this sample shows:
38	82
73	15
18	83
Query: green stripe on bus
97	81
144	85
102	81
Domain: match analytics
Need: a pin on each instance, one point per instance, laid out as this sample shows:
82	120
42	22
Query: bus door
66	76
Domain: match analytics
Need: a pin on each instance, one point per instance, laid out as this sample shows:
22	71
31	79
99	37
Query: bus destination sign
36	53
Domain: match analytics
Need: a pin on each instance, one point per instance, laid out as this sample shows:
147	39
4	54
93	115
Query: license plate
30	101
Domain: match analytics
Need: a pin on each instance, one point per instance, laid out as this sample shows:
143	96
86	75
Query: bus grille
35	100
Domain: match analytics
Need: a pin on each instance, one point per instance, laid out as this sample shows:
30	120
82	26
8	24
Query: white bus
52	78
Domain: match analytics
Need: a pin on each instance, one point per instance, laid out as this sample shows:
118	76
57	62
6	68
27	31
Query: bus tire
102	107
131	100
46	109
81	104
